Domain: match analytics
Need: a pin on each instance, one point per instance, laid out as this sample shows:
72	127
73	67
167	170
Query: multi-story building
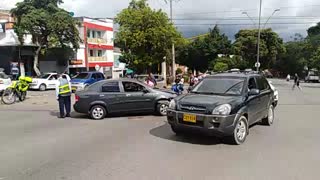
95	52
96	48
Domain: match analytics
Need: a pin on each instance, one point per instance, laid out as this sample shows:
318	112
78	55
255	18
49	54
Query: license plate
190	118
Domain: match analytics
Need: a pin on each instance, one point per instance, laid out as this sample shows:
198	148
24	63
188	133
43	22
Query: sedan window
219	86
252	84
132	87
44	76
111	87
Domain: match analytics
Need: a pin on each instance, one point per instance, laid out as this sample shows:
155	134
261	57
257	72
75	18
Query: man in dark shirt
296	82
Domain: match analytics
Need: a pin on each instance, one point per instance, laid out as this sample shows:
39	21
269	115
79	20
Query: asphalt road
35	145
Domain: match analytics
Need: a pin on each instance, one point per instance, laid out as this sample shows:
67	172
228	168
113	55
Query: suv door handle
101	95
128	95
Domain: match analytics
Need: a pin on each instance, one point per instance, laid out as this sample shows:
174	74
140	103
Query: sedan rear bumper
80	108
208	124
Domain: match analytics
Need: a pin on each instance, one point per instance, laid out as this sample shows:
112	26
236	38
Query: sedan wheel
162	108
98	112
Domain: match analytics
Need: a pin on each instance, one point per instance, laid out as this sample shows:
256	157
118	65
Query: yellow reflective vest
64	87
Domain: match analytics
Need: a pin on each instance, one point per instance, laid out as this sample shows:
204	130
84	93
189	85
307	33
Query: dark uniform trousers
64	103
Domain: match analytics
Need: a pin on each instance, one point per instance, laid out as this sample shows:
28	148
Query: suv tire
268	121
98	112
240	132
162	107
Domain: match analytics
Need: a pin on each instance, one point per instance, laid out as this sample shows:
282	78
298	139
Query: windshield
44	76
219	86
82	76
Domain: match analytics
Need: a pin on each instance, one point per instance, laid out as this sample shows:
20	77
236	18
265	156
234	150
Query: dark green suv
224	105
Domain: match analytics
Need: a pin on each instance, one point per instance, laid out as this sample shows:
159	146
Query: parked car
224	105
84	79
45	82
312	76
121	96
5	81
159	78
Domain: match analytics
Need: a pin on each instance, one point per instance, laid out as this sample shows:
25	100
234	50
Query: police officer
63	93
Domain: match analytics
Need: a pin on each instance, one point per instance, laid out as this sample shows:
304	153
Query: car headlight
35	82
224	109
172	104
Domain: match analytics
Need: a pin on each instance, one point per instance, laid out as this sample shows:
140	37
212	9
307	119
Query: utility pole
259	33
173	49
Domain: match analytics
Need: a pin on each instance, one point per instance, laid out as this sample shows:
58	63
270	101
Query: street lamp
246	13
276	10
259	31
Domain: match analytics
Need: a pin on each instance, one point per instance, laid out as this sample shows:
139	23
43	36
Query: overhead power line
239	24
246	19
246	10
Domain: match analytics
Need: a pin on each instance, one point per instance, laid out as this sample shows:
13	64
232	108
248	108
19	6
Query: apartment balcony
97	59
97	41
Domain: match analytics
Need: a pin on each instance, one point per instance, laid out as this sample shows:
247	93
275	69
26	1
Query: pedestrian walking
296	82
288	77
149	82
63	94
153	79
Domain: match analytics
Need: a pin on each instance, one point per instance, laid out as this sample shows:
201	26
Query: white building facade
96	49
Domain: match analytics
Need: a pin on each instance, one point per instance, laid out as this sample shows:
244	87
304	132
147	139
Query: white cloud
200	9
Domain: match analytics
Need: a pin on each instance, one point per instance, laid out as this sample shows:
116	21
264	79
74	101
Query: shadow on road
132	116
165	132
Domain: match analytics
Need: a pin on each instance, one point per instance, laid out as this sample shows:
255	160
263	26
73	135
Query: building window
88	33
93	34
91	53
99	53
98	34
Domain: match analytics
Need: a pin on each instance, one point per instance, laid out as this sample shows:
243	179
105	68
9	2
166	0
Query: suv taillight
1	82
77	98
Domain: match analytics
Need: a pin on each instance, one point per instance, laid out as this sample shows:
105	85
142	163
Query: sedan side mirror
254	92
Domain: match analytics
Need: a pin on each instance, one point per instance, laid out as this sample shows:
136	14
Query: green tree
271	46
144	35
220	66
202	51
315	59
49	25
232	62
178	71
293	61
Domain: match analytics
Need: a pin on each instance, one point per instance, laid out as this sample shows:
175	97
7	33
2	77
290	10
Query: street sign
97	67
257	64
